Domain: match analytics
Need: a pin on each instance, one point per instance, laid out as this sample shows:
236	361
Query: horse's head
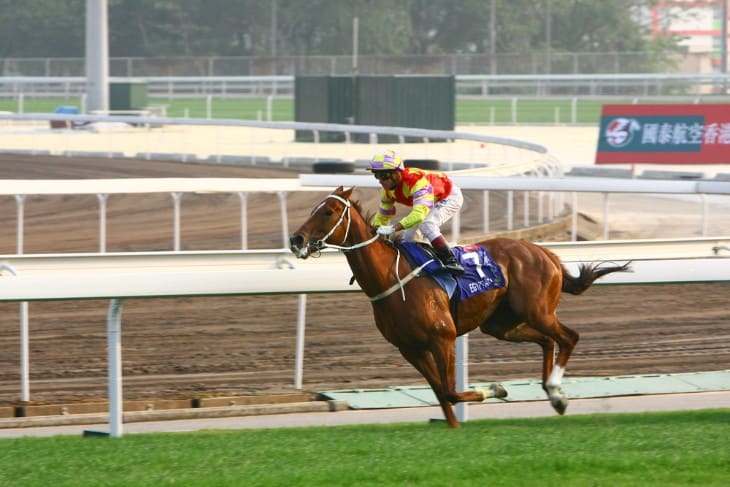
329	223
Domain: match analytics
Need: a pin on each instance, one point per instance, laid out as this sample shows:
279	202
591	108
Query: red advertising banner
664	134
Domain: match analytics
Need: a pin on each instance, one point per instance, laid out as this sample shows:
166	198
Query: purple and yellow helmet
386	161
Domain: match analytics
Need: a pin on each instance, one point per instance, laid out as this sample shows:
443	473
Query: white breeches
430	227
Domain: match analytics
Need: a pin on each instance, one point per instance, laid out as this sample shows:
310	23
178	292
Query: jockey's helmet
386	161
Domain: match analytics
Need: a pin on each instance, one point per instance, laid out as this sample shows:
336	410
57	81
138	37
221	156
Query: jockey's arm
416	216
386	211
423	202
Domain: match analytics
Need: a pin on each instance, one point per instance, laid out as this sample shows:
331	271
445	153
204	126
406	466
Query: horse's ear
339	189
348	193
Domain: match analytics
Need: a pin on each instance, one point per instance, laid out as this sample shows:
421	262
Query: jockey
434	199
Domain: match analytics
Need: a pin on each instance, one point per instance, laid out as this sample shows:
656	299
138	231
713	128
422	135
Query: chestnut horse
423	327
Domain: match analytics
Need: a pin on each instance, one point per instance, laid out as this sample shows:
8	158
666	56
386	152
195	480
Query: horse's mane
358	207
366	216
395	239
356	204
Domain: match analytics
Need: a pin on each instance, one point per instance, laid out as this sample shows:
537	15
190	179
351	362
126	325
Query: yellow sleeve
415	217
379	220
386	211
423	202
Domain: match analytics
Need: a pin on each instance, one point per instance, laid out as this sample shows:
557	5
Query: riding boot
448	259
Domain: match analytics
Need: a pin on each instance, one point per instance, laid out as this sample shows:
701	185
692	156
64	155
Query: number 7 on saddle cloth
481	272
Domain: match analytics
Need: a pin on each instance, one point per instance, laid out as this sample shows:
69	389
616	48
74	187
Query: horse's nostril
296	241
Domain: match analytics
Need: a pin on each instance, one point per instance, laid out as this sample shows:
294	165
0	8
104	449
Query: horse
424	328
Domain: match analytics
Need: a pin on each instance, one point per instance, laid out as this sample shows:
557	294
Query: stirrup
454	268
449	262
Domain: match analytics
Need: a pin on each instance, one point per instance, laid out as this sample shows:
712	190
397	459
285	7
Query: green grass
499	111
682	448
468	111
282	109
243	109
37	105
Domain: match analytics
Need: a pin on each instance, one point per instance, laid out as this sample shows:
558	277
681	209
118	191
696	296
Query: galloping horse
424	329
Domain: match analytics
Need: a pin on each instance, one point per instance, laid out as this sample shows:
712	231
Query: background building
702	24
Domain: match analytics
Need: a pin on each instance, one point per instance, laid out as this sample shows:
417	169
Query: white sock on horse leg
556	377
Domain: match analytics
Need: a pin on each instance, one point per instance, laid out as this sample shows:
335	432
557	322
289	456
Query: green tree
42	28
156	28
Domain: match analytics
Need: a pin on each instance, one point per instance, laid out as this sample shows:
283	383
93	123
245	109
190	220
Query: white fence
548	207
501	157
535	62
207	141
119	276
198	139
481	85
93	278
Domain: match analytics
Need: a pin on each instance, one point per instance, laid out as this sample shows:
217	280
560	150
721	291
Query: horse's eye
328	213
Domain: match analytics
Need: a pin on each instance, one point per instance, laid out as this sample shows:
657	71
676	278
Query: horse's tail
587	274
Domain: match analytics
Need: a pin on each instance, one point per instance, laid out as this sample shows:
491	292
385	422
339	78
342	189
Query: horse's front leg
438	367
423	361
444	355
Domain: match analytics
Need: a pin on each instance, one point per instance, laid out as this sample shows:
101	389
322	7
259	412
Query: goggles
382	175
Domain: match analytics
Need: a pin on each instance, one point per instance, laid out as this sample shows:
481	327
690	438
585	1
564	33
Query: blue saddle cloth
481	272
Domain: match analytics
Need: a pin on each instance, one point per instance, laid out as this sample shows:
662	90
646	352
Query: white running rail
171	274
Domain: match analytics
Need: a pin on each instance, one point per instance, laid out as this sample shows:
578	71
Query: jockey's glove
385	230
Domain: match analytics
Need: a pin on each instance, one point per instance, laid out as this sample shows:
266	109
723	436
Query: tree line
148	28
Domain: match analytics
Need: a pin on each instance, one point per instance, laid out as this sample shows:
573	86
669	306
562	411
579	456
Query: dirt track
245	345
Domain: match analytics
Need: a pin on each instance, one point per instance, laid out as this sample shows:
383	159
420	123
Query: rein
322	244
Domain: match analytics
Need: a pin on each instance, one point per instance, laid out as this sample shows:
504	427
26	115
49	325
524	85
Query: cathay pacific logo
664	134
620	131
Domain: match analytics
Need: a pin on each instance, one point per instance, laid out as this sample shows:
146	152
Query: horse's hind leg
525	333
553	385
546	336
566	340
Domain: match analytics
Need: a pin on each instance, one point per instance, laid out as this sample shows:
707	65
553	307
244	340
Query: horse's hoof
498	390
560	404
494	390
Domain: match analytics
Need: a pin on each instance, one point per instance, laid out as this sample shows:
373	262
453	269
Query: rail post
243	199
114	342
299	354
284	220
176	197
102	221
24	343
462	375
20	222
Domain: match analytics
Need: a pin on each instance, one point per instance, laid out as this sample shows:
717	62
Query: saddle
481	272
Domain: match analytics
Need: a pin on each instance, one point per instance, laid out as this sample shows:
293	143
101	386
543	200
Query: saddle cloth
481	272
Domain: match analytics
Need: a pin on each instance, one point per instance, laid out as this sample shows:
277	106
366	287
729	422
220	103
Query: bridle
320	244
